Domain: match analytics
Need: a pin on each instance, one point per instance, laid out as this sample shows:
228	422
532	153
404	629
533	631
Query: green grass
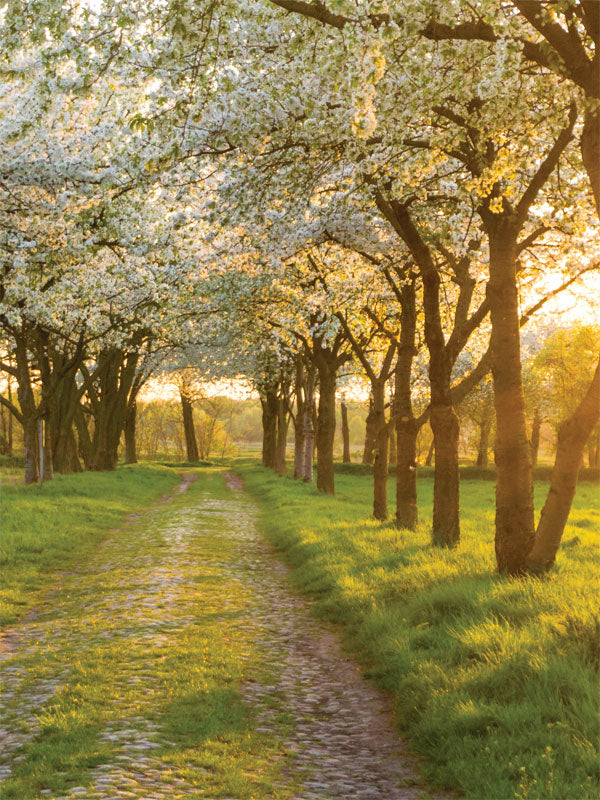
495	680
46	529
176	664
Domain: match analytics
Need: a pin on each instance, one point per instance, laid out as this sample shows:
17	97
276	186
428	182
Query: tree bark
392	443
300	390
407	428
116	378
535	436
514	487
309	429
594	449
281	436
590	152
572	437
187	409
430	454
345	434
30	443
380	453
485	423
129	432
84	440
446	496
326	423
485	429
269	422
370	435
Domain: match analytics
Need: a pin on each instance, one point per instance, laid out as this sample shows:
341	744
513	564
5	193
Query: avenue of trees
304	194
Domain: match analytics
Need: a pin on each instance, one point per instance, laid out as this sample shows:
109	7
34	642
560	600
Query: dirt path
178	663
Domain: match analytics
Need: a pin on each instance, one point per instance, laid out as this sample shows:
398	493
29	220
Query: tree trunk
299	436
446	498
380	453
407	514
47	456
269	422
326	424
594	449
514	487
281	436
345	434
61	395
309	429
430	454
300	391
84	441
370	435
309	447
30	442
572	437
485	429
189	432
535	437
590	152
116	379
392	443
129	432
407	429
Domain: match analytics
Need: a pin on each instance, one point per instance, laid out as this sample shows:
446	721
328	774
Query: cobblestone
342	743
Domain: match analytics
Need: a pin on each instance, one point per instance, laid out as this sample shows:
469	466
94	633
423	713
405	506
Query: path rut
201	559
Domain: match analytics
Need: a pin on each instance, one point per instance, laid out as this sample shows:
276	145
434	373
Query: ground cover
175	662
46	529
125	684
494	679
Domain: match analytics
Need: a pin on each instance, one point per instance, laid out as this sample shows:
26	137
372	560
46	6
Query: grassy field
46	529
495	680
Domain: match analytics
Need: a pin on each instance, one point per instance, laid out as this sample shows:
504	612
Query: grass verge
47	528
494	679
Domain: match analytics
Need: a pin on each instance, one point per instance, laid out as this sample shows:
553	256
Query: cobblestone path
177	663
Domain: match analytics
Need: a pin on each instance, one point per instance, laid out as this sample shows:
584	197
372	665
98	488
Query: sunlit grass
494	679
47	528
180	674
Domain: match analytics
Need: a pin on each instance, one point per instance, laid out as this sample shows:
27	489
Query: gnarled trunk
572	437
345	434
